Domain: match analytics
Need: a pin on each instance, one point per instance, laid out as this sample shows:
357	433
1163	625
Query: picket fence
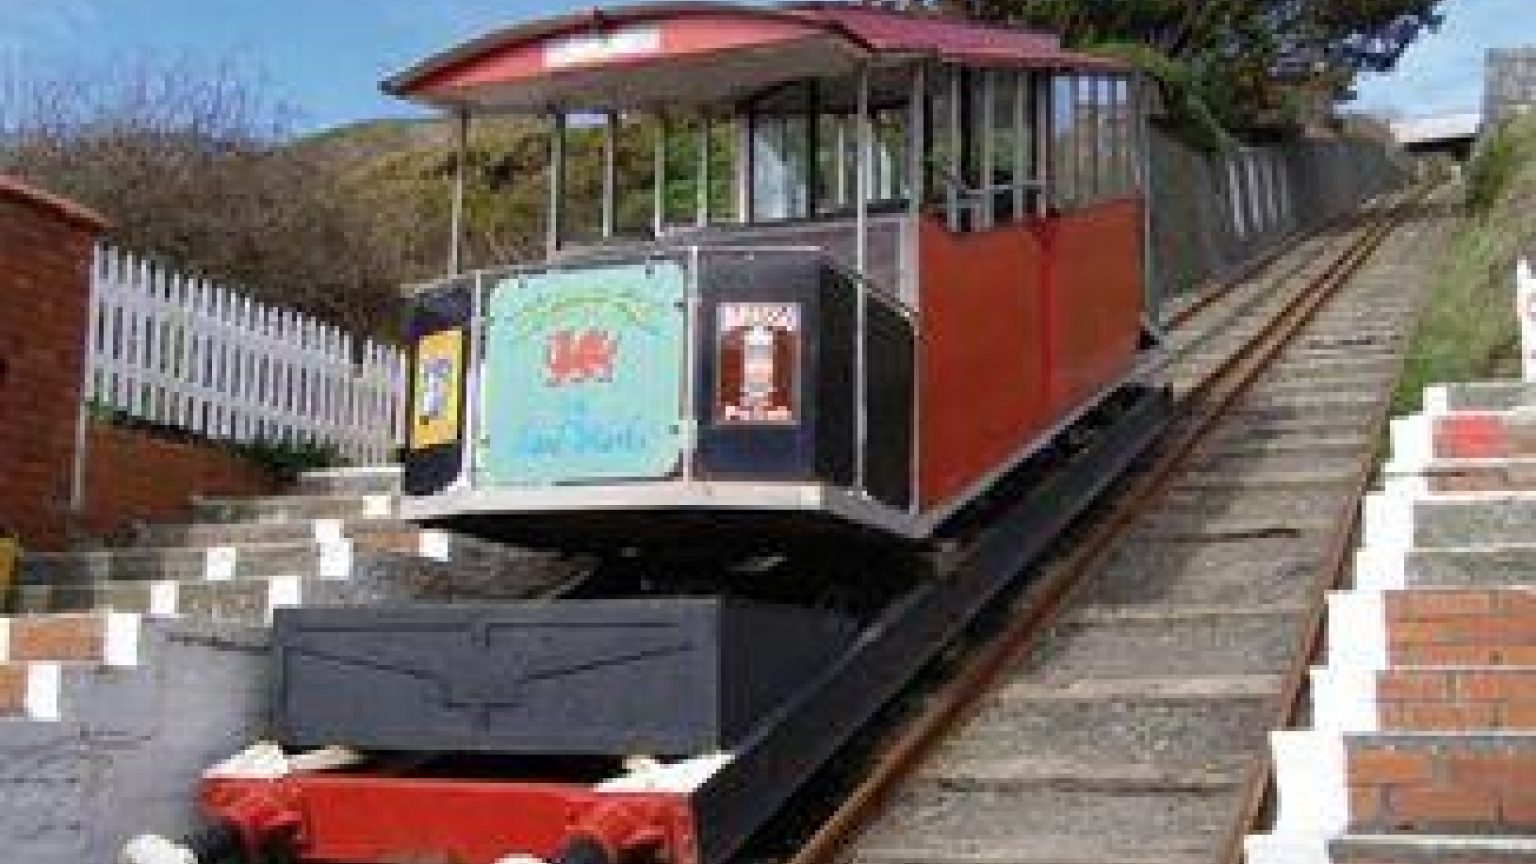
186	353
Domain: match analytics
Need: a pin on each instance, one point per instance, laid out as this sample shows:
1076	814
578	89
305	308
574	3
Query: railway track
1119	716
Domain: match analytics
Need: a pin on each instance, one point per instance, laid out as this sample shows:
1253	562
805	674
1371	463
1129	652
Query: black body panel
610	677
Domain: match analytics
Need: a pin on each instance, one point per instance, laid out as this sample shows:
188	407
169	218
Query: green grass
1468	330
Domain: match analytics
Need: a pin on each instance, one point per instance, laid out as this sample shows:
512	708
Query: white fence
186	353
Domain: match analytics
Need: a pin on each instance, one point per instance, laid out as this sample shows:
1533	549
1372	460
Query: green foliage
284	459
288	459
1469	329
1237	63
1184	91
1498	163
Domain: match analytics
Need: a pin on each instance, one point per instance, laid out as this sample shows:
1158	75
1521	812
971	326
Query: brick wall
45	254
1432	784
1442	627
132	475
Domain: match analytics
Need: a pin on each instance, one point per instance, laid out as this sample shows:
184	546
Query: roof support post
1021	142
861	305
703	202
610	171
955	170
986	123
659	177
917	125
744	168
456	219
556	180
1044	94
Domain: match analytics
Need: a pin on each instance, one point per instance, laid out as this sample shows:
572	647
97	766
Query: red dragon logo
575	357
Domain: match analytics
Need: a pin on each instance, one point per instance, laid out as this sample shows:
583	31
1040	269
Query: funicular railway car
911	260
913	255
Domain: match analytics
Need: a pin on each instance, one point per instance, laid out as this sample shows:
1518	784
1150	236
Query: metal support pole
703	204
456	220
474	350
1044	154
986	123
610	171
1143	146
1021	142
861	258
744	169
917	146
659	177
556	180
955	170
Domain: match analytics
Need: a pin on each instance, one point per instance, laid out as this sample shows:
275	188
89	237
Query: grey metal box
668	676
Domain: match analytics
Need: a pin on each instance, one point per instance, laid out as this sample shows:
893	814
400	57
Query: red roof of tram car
694	31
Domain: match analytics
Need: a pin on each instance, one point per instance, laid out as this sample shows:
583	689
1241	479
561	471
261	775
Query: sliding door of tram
584	375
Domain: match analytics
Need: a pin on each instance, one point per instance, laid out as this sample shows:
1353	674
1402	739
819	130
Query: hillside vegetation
1469	330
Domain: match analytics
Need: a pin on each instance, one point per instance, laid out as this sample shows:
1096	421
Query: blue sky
325	57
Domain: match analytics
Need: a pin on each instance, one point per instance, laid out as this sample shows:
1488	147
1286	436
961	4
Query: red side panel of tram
1021	324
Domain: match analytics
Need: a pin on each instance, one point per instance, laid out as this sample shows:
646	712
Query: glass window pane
943	166
1063	140
1108	140
890	146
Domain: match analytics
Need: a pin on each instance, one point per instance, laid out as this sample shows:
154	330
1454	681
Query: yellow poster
439	370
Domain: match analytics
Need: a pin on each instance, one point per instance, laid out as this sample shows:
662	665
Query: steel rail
1206	404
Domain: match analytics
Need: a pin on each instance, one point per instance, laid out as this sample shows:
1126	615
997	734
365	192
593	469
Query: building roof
77	214
660	53
1430	130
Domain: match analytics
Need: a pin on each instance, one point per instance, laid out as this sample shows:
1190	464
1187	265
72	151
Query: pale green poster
584	373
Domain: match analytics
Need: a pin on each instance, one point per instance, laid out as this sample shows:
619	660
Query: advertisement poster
583	375
439	372
758	359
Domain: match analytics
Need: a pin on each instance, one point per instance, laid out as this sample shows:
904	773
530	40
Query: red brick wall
133	475
1477	627
45	255
1440	785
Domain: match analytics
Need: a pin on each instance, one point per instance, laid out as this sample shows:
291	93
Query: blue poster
584	372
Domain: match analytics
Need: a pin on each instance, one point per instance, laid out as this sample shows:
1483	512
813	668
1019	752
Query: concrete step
1196	528
1442	782
1260	571
1315	404
1298	504
1485	395
1264	421
187	563
1356	385
371	576
1251	443
361	480
294	508
1431	849
233	533
1474	519
933	823
1109	733
1291	472
1343	366
1480	475
1491	565
1094	645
